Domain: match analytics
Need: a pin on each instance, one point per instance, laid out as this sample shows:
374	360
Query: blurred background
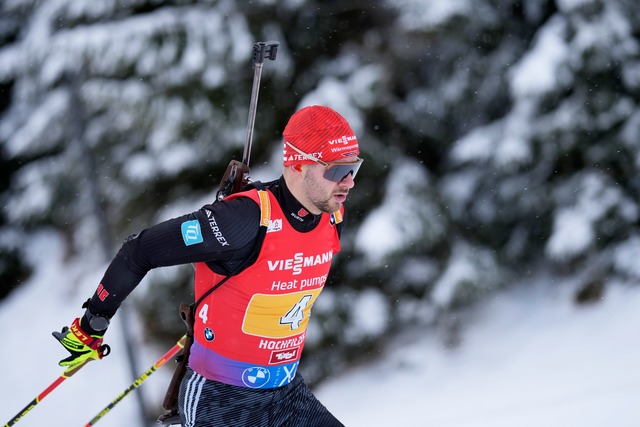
500	140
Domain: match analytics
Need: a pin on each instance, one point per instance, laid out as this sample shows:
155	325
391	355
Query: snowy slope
29	355
529	357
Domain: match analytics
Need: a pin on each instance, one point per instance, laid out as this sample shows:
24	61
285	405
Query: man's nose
348	181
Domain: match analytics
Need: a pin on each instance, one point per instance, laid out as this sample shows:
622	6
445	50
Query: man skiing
270	248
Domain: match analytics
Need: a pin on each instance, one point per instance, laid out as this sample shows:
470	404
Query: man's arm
216	233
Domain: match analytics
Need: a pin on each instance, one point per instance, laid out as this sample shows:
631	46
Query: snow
573	234
370	317
593	200
405	216
567	5
30	354
625	257
528	357
38	198
540	70
418	14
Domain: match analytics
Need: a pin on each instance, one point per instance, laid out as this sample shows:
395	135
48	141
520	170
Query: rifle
170	402
237	173
235	178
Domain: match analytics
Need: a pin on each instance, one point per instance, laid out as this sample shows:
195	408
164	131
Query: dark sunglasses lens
338	172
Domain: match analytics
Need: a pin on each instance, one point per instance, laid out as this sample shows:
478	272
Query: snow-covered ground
529	357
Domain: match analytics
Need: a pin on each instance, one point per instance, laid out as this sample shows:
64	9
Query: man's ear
297	168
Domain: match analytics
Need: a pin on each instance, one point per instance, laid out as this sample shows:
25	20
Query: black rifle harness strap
265	216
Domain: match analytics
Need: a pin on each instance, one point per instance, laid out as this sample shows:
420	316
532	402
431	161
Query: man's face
324	195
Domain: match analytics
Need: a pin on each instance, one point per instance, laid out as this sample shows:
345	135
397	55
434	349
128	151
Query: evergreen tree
553	179
499	136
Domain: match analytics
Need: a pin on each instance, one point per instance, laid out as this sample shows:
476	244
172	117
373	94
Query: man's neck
298	216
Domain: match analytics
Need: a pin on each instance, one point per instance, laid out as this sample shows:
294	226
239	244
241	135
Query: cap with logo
320	132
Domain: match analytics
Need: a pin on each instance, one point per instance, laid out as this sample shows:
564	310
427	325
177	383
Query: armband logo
101	292
191	233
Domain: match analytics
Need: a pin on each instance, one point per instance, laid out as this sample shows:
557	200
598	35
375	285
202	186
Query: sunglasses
334	171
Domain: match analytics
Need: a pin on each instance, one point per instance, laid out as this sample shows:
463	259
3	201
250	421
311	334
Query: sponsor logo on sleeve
216	230
191	233
101	292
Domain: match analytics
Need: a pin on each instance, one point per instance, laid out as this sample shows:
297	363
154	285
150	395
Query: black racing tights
205	403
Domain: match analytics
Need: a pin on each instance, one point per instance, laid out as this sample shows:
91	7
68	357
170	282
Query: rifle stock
170	402
235	177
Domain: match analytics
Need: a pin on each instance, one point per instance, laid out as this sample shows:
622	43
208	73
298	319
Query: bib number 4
277	316
296	314
204	313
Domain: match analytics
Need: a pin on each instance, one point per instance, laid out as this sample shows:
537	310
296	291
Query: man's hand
82	345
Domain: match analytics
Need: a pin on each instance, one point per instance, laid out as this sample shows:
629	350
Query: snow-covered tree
554	178
498	135
136	107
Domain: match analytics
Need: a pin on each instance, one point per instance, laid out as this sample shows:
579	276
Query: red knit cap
320	132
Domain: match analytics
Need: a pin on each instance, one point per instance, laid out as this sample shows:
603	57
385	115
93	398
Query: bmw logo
255	377
208	334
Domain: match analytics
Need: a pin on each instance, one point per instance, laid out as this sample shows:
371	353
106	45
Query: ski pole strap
93	342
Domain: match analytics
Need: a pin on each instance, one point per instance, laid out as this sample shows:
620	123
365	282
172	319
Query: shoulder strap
265	217
336	217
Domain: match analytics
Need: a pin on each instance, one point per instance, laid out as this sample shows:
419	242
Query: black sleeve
218	233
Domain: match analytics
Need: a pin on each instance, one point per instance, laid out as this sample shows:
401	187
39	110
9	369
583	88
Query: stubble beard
317	196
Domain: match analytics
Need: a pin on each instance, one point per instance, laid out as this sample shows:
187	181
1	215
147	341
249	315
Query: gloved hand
82	345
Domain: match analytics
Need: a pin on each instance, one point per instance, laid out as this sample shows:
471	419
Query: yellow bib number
278	316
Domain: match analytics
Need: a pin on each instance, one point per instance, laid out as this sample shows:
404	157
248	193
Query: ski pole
66	374
168	355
